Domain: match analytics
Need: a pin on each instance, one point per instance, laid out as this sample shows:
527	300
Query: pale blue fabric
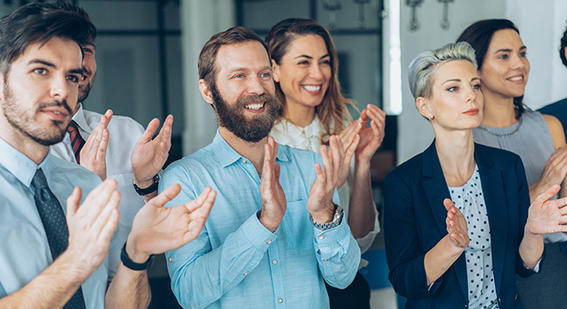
24	250
236	262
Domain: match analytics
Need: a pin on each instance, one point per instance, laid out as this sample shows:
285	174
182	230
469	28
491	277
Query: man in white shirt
50	258
109	143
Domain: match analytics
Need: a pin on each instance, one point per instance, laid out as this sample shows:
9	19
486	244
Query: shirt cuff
328	241
258	235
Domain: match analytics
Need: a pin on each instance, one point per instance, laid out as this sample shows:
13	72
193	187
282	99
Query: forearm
440	258
128	289
531	249
52	288
362	212
200	276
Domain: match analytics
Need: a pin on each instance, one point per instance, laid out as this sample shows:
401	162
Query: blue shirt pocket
297	228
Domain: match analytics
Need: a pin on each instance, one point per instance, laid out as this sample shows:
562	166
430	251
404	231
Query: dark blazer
414	222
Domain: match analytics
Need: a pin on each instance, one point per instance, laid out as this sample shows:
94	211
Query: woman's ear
424	107
275	71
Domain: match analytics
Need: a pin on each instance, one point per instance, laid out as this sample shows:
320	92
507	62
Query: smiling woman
538	139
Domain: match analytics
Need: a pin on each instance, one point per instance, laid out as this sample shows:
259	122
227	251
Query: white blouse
309	138
480	275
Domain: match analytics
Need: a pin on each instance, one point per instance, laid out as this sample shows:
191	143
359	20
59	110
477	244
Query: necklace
495	133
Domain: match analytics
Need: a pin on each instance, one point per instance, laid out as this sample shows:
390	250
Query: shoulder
194	164
558	108
407	170
502	159
555	129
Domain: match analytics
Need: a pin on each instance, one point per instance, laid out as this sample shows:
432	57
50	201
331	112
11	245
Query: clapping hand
271	192
157	229
547	216
93	153
456	225
92	225
320	201
370	137
149	155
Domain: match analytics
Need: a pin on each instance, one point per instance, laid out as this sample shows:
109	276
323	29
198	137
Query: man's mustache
62	103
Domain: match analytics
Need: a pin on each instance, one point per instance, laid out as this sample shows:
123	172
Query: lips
516	79
312	88
471	112
55	113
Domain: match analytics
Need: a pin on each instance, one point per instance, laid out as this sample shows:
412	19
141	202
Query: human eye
40	71
326	62
266	75
303	62
503	56
238	76
74	78
476	86
523	54
453	88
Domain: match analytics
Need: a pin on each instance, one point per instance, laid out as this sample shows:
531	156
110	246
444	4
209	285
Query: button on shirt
236	262
24	250
123	135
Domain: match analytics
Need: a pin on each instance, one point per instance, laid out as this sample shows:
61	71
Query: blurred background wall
147	54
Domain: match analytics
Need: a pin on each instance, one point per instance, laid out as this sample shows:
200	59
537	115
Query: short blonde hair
425	64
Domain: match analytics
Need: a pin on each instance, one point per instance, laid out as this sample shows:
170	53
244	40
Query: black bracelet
131	264
152	188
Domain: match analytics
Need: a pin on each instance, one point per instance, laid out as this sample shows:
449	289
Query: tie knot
39	181
73	127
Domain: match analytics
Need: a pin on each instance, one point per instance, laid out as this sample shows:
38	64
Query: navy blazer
414	222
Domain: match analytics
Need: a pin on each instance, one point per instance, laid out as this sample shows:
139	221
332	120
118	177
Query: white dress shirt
124	132
309	138
24	249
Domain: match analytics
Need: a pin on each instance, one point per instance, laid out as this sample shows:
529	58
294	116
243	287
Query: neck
298	114
499	111
251	151
456	155
24	144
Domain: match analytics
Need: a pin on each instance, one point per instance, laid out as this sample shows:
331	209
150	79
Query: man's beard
233	119
20	119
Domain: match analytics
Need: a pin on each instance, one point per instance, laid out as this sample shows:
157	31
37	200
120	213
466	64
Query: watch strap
131	264
152	188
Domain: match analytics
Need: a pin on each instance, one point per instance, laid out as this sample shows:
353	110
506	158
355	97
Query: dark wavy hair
562	48
333	109
479	35
38	23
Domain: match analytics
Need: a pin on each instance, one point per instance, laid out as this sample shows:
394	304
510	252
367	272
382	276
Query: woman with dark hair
305	70
458	224
538	139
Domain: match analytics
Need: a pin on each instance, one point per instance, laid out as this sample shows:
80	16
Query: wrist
453	248
135	255
325	214
268	223
147	186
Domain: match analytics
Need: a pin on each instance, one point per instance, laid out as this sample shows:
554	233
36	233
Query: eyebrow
51	65
458	80
267	67
508	50
309	57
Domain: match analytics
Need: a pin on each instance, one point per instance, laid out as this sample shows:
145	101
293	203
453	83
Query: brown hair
333	108
208	55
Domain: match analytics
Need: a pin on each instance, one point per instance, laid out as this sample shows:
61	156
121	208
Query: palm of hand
147	159
543	218
369	143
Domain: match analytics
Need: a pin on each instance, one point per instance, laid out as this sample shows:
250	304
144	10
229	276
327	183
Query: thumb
73	202
549	193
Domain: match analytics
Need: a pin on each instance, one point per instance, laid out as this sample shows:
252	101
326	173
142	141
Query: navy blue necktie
55	226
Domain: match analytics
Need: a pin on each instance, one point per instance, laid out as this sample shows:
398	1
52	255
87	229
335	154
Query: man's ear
565	52
424	107
275	71
205	91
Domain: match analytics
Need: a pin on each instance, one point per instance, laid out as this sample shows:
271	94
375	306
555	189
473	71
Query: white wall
199	20
414	132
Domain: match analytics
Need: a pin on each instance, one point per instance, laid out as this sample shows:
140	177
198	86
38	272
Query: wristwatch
153	187
337	219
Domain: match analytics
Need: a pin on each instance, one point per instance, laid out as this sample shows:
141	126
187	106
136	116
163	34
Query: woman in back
305	69
538	139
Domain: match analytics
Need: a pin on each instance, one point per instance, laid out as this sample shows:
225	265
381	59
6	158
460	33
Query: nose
255	85
518	62
59	87
315	71
470	95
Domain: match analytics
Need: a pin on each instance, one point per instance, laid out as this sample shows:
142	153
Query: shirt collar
18	164
80	119
226	155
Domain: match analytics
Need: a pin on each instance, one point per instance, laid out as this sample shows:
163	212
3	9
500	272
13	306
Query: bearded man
276	232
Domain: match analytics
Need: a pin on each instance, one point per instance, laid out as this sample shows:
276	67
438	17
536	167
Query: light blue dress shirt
236	262
24	250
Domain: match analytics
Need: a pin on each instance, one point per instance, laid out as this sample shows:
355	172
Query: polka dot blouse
480	276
